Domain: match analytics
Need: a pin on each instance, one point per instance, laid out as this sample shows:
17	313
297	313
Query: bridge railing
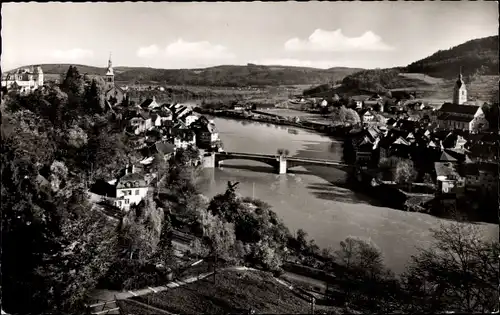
296	159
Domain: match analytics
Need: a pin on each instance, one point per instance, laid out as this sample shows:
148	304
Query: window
126	201
119	203
136	192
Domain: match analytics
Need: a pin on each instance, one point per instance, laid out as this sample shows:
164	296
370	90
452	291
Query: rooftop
165	147
459	109
446	169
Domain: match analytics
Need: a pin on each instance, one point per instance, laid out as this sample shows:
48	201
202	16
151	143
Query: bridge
279	163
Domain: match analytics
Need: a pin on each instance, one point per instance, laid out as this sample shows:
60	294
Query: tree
368	283
405	172
218	235
345	115
458	273
94	98
73	82
283	152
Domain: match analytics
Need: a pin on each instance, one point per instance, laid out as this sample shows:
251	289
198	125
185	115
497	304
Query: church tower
460	91
110	76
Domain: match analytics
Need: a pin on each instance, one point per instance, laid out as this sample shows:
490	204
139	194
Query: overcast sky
190	35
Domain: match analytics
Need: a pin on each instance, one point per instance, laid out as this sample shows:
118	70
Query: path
108	297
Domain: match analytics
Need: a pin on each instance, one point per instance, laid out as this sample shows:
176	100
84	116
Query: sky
195	35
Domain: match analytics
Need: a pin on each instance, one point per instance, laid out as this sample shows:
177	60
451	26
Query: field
233	292
437	90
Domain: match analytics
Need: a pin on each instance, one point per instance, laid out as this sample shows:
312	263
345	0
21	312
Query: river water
315	198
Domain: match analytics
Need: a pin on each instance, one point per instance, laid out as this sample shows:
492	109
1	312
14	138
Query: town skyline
208	35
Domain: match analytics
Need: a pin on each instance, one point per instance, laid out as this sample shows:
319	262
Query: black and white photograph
250	157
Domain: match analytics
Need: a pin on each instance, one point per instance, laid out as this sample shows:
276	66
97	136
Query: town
251	188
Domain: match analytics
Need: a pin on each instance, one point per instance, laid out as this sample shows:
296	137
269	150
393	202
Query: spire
460	77
110	64
109	71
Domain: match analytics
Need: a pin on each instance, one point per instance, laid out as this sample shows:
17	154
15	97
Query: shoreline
328	130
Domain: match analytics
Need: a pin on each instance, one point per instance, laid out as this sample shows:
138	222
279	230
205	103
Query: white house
26	80
140	124
324	103
367	116
130	189
191	119
184	138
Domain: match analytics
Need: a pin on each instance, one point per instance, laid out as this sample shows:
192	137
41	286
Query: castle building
24	80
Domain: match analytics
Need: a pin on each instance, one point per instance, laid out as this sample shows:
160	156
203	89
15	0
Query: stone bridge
279	163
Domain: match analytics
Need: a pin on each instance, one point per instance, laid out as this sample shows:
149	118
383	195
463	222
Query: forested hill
255	75
478	56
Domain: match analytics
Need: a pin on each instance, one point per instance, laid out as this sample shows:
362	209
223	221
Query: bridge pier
209	161
282	167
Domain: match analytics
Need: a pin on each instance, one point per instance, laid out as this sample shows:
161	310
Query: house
150	103
165	149
160	116
357	101
461	117
367	116
448	178
24	80
183	138
141	124
190	119
324	103
481	177
207	135
374	104
131	189
364	150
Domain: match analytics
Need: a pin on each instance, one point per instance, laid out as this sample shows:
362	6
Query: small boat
293	131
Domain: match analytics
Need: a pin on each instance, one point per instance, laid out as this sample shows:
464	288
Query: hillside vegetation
434	76
478	56
233	76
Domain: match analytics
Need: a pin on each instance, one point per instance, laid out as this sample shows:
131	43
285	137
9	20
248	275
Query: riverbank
276	119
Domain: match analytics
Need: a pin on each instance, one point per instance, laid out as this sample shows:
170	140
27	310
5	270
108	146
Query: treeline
230	76
236	76
479	56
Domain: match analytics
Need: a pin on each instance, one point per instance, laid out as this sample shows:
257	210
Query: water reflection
316	198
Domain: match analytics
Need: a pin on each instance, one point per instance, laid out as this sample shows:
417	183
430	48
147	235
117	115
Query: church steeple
460	91
110	76
110	66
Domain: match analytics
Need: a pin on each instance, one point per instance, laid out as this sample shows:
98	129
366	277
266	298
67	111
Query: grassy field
233	292
431	89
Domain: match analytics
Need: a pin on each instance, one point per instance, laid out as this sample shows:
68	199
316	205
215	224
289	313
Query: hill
232	76
433	77
478	56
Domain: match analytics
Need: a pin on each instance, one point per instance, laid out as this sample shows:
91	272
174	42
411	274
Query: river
315	198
